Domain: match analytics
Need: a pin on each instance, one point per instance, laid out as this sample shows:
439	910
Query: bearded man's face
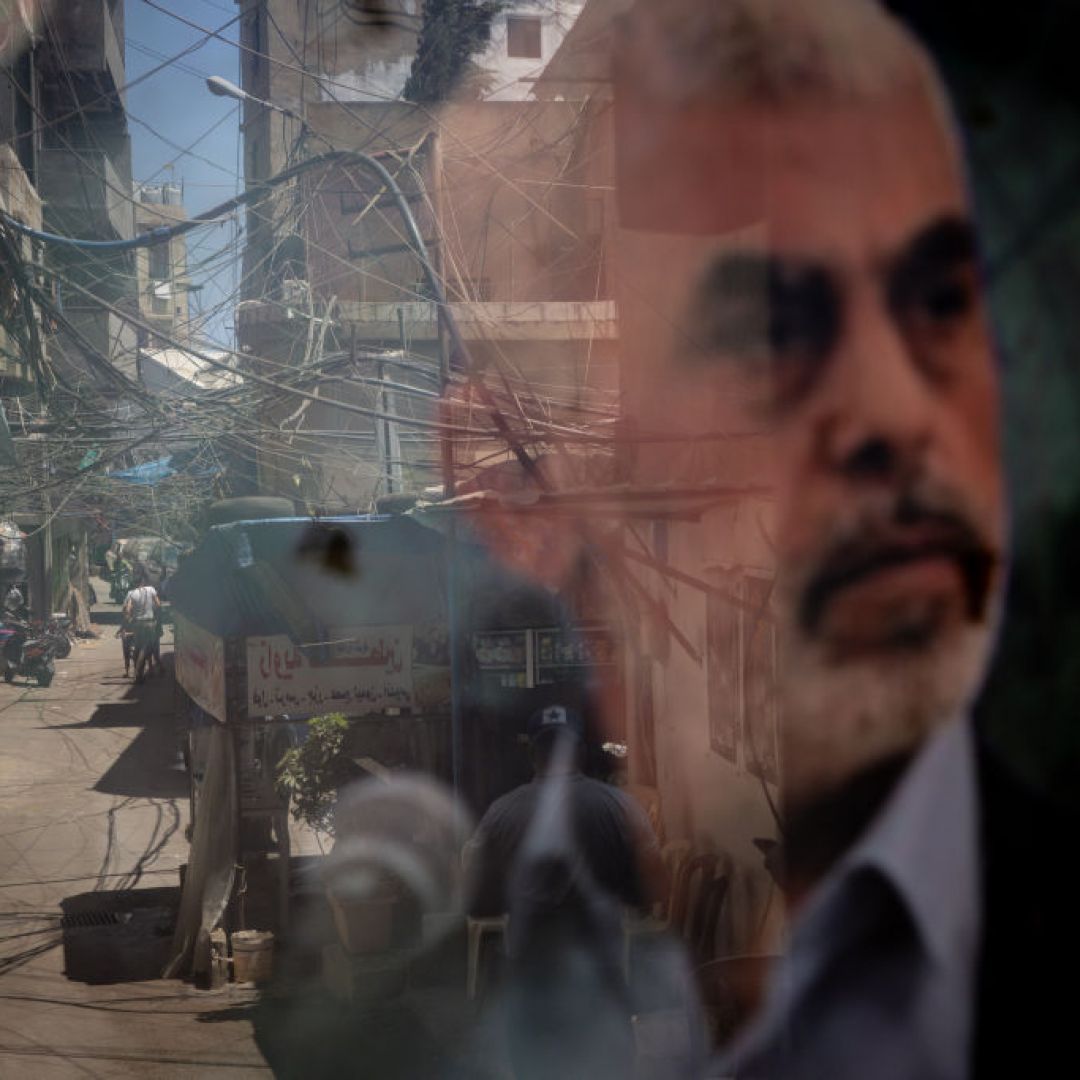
846	330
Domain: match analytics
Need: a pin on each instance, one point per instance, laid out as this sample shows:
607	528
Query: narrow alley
93	808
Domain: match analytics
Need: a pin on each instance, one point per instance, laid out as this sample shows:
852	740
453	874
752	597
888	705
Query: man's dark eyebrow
942	245
736	271
754	301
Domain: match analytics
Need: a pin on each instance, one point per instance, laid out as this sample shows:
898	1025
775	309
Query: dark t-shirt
611	834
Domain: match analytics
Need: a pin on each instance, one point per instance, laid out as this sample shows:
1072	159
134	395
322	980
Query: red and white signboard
200	665
358	672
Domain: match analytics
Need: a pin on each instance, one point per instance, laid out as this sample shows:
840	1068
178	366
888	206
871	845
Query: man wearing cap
564	856
610	830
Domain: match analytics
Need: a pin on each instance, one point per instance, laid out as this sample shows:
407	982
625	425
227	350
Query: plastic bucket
253	955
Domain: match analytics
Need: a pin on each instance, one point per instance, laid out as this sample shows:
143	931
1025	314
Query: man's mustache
915	526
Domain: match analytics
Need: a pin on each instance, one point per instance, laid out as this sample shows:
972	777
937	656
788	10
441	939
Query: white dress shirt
879	979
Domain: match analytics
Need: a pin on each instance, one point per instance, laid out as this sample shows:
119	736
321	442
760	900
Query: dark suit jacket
1027	1023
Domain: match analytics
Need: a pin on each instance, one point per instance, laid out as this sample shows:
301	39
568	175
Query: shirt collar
924	842
924	845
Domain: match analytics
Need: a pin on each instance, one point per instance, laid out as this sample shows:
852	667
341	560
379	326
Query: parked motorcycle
26	653
61	633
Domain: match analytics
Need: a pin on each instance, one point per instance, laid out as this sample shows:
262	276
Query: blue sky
176	104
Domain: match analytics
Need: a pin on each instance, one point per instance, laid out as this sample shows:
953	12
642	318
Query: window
523	36
159	261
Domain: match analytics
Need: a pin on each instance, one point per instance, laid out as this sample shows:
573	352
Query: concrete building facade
331	277
161	269
65	168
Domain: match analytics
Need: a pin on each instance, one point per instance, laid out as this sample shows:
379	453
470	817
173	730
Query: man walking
564	856
140	613
610	830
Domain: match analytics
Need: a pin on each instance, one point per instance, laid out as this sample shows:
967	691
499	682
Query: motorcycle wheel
61	646
45	674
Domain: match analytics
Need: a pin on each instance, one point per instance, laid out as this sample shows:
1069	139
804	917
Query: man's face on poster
815	295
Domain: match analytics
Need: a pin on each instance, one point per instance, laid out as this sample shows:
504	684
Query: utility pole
389	441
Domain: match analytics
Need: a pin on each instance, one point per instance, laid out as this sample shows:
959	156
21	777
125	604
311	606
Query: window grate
81	919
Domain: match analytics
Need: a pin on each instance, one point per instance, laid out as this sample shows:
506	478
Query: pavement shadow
121	936
150	765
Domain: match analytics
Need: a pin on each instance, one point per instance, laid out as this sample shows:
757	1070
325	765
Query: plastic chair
693	876
478	929
705	918
674	855
648	798
731	991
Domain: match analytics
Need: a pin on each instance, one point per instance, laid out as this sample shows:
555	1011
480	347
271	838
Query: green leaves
452	33
311	774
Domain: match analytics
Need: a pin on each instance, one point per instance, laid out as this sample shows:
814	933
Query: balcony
84	195
92	53
535	321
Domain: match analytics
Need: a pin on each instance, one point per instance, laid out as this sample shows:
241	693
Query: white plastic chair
479	929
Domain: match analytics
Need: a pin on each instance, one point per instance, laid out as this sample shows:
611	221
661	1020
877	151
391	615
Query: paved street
92	801
93	808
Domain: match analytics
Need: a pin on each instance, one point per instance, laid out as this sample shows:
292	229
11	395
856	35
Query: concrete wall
516	225
714	710
520	247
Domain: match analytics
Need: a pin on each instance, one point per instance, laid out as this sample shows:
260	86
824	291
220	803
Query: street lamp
219	86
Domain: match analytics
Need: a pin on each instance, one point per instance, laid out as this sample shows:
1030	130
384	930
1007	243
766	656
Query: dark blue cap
556	718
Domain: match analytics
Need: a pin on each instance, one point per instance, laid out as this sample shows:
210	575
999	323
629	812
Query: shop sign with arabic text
356	672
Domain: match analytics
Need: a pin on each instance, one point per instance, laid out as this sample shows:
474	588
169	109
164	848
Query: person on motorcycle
140	611
120	577
14	604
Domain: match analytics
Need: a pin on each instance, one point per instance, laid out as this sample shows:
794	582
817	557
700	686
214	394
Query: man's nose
878	417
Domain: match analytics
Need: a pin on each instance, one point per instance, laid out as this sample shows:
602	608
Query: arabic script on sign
356	672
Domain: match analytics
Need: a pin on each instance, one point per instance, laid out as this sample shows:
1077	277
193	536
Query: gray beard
840	720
